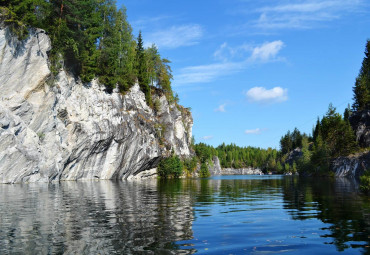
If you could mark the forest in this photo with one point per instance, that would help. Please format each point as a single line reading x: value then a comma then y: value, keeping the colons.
x: 92, y: 39
x: 332, y: 137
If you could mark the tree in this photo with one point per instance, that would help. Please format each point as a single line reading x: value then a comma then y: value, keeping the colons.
x: 204, y: 173
x: 347, y: 112
x: 361, y: 90
x: 170, y: 167
x: 142, y: 69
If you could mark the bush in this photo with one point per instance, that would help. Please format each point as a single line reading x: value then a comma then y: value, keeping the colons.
x: 190, y: 165
x: 170, y: 167
x: 365, y: 182
x: 204, y: 173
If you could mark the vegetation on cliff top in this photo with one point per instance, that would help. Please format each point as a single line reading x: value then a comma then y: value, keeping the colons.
x: 92, y: 39
x: 332, y: 135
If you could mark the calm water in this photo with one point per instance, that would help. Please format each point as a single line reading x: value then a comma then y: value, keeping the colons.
x: 223, y: 215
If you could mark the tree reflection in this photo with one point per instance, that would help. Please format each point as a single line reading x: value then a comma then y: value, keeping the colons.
x: 333, y: 201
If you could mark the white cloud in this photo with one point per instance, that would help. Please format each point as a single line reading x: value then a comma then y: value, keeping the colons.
x: 221, y: 108
x: 263, y: 95
x: 305, y: 14
x: 264, y: 53
x: 267, y: 51
x: 226, y: 52
x: 206, y: 73
x: 175, y: 36
x: 256, y: 131
x: 208, y: 137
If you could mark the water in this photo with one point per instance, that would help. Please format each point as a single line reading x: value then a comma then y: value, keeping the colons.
x: 221, y: 215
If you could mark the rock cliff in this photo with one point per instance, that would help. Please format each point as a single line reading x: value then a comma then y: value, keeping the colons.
x: 242, y: 171
x: 214, y: 168
x: 61, y: 129
x: 351, y: 166
x: 360, y: 122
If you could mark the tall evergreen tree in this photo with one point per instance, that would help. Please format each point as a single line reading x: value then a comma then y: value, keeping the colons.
x: 142, y: 69
x: 361, y: 89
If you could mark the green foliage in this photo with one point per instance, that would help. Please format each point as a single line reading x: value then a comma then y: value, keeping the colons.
x: 91, y: 39
x: 279, y: 168
x: 336, y: 134
x: 142, y: 69
x: 157, y: 105
x: 232, y: 156
x: 304, y: 163
x: 204, y: 173
x: 190, y: 165
x: 361, y: 90
x: 365, y: 182
x: 170, y: 167
x: 332, y: 137
x: 290, y: 141
x: 204, y: 152
x: 347, y: 113
x: 286, y: 168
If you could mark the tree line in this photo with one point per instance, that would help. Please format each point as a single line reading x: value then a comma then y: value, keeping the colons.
x: 233, y: 156
x: 92, y: 39
x: 332, y: 136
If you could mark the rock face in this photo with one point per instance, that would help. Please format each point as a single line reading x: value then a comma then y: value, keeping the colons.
x: 360, y: 122
x: 62, y: 129
x: 215, y: 167
x: 293, y: 156
x: 241, y: 171
x: 352, y: 166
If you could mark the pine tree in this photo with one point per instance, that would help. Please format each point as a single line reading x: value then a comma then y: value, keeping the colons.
x: 361, y: 89
x: 347, y: 112
x: 142, y: 69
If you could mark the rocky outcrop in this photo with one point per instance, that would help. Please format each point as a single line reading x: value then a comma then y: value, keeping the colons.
x: 293, y: 156
x: 62, y: 129
x: 241, y: 171
x: 215, y: 167
x: 351, y: 166
x: 360, y: 122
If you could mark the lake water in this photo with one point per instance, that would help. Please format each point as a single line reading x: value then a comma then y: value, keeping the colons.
x: 220, y: 215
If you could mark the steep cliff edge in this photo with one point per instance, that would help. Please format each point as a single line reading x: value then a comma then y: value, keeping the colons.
x: 360, y: 122
x: 356, y: 165
x: 62, y: 129
x: 351, y: 166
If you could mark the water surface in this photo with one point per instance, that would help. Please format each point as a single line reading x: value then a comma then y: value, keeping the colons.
x: 221, y: 215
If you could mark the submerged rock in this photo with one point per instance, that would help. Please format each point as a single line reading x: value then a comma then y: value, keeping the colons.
x: 63, y: 129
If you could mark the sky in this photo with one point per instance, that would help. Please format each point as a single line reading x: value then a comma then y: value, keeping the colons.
x: 250, y: 70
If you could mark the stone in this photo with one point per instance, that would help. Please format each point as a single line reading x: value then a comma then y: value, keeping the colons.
x: 63, y: 129
x: 352, y: 166
x: 360, y: 122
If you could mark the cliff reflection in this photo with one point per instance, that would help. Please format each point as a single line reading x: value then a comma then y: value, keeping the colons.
x: 93, y: 217
x: 238, y: 215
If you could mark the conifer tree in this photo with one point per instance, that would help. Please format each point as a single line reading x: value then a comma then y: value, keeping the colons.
x: 142, y: 69
x: 361, y: 89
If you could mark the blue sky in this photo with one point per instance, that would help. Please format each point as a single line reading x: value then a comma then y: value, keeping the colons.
x: 253, y: 69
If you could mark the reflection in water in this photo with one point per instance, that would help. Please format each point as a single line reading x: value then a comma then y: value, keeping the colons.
x: 223, y: 215
x: 335, y: 202
x: 92, y: 217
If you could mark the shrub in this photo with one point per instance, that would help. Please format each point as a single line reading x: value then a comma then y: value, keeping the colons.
x: 365, y: 182
x: 170, y: 167
x: 204, y: 173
